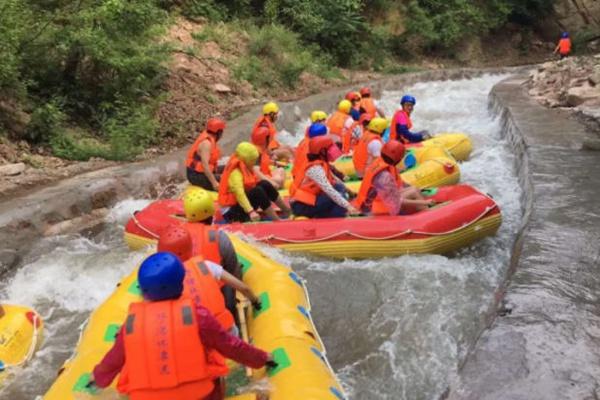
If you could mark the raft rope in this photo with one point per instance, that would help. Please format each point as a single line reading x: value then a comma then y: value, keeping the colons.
x: 390, y: 237
x: 142, y: 227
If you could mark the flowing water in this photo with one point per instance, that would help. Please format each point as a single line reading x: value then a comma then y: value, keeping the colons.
x: 394, y: 329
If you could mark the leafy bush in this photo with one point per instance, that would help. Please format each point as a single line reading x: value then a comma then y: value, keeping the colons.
x: 46, y: 121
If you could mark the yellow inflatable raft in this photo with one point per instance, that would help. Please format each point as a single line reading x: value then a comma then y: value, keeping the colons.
x: 21, y: 334
x: 283, y: 326
x: 458, y: 145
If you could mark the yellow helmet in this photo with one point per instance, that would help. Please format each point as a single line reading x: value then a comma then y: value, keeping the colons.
x: 318, y: 116
x: 344, y: 106
x: 270, y: 108
x: 247, y: 152
x: 378, y: 125
x: 198, y: 205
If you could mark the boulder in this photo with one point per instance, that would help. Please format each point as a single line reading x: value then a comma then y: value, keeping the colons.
x: 12, y: 169
x: 578, y: 95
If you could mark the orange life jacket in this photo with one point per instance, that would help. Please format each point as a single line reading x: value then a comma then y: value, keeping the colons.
x: 300, y: 159
x: 361, y: 151
x: 368, y: 105
x: 564, y: 46
x: 264, y: 121
x: 378, y: 207
x: 336, y: 123
x: 394, y: 135
x: 227, y: 198
x: 202, y: 287
x: 193, y: 160
x: 348, y: 141
x: 205, y: 241
x: 265, y: 162
x: 164, y: 356
x: 304, y: 189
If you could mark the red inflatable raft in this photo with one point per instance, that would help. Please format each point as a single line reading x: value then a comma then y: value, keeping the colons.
x: 462, y: 216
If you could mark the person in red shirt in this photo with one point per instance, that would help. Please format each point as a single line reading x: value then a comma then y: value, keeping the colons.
x: 164, y: 350
x: 564, y: 45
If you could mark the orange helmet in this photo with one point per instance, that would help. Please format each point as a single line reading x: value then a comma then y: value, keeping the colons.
x: 394, y: 150
x: 214, y: 125
x: 177, y: 240
x: 260, y: 136
x: 352, y: 96
x: 317, y: 144
x: 365, y: 91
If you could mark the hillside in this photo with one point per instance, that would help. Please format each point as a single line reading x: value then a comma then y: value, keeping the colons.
x: 125, y: 80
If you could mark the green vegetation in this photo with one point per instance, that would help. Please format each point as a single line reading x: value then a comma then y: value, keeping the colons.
x: 88, y: 73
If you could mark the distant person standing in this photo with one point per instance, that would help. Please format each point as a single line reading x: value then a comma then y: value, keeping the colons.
x: 564, y: 45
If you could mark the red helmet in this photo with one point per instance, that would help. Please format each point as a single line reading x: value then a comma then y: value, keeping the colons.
x: 260, y: 136
x: 352, y: 96
x: 365, y: 118
x: 394, y: 150
x: 177, y: 240
x: 365, y: 91
x: 214, y: 125
x: 320, y: 143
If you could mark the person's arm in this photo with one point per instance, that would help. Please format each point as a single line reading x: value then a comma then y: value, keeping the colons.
x: 229, y: 258
x: 263, y: 177
x: 373, y: 150
x: 215, y: 337
x: 112, y: 363
x: 413, y: 137
x: 379, y: 109
x: 236, y: 186
x: 240, y: 286
x: 317, y: 175
x: 204, y: 153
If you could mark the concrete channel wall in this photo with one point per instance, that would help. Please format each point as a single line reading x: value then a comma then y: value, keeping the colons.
x: 81, y: 202
x: 545, y: 344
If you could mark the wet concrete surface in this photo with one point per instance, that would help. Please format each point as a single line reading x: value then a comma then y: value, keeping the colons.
x: 547, y: 346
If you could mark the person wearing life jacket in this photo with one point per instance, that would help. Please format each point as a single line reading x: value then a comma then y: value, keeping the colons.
x: 354, y: 98
x: 300, y: 158
x: 316, y: 192
x: 382, y: 191
x: 369, y: 146
x: 166, y: 345
x: 205, y: 276
x: 564, y: 45
x: 340, y: 124
x: 368, y: 105
x: 401, y: 124
x: 203, y: 155
x: 263, y: 168
x: 241, y: 193
x: 316, y: 116
x: 270, y: 113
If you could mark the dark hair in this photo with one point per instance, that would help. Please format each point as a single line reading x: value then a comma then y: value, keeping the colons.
x: 313, y: 157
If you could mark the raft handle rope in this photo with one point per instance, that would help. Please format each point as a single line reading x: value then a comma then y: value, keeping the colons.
x: 142, y: 227
x: 390, y: 237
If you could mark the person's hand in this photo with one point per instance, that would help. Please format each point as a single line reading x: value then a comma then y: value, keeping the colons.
x: 353, y: 211
x: 215, y: 185
x: 270, y: 364
x: 430, y: 202
x: 254, y: 216
x: 256, y: 304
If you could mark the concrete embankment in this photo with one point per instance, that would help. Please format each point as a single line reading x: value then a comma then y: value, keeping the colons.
x: 81, y: 202
x: 547, y: 343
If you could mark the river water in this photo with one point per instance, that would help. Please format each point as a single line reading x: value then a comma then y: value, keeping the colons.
x: 396, y: 328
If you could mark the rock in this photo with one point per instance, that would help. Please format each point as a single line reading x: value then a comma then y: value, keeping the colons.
x: 592, y: 142
x: 516, y: 39
x: 595, y: 77
x: 220, y: 88
x: 12, y: 169
x: 579, y: 95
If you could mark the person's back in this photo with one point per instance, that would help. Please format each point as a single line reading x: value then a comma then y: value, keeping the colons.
x: 564, y: 45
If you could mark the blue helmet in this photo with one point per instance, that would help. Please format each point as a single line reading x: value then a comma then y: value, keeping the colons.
x: 564, y: 35
x: 317, y: 129
x: 161, y: 276
x: 407, y: 98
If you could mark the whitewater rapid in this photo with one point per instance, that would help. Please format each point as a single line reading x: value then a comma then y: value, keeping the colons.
x: 396, y: 328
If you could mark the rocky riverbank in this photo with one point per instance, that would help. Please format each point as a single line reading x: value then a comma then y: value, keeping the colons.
x: 573, y: 84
